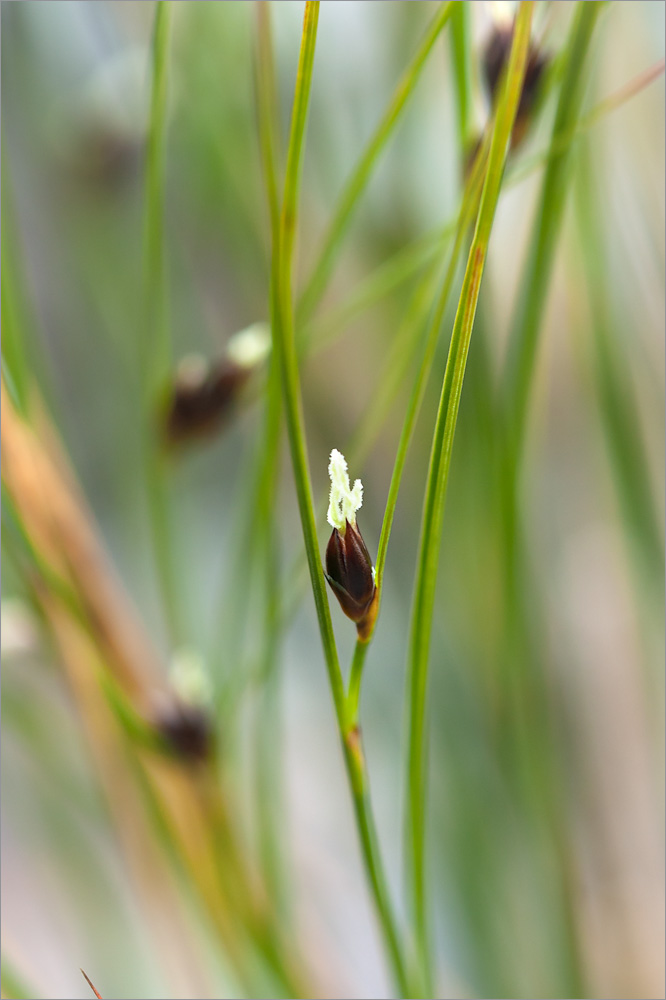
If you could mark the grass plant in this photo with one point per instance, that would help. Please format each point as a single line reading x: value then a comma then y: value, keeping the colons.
x: 179, y: 731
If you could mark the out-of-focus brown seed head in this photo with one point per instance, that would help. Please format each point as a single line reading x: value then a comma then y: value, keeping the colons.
x: 203, y: 396
x: 494, y: 61
x: 98, y: 130
x: 186, y: 730
x: 351, y: 577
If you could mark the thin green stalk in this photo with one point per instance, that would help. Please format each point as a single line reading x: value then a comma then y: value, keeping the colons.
x: 438, y: 473
x: 268, y: 731
x: 269, y: 743
x: 533, y: 764
x: 464, y: 54
x: 540, y: 257
x: 266, y: 98
x: 265, y: 540
x: 617, y: 410
x: 26, y: 554
x: 285, y: 349
x: 354, y: 187
x: 154, y: 339
x: 14, y: 352
x: 467, y: 211
x: 284, y: 346
x: 461, y: 50
x: 521, y: 356
x: 358, y: 777
x: 355, y: 675
x: 234, y: 606
x: 23, y: 360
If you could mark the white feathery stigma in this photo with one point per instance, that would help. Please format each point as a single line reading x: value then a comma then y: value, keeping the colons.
x: 344, y: 501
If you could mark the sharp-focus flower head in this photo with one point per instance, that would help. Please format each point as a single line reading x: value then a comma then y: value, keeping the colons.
x: 349, y: 569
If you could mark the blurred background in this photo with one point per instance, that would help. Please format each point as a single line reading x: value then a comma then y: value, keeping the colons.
x: 545, y: 846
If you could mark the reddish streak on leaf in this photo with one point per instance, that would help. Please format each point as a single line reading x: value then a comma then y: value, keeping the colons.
x: 98, y: 995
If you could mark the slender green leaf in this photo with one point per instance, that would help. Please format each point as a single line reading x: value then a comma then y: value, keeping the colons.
x: 438, y: 472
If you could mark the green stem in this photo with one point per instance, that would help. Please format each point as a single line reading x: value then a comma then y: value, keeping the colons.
x: 154, y: 341
x: 14, y: 353
x: 541, y: 254
x: 268, y: 729
x: 528, y: 740
x: 617, y: 409
x: 357, y: 773
x: 468, y: 209
x: 354, y: 690
x: 234, y: 605
x: 337, y: 228
x: 285, y: 350
x: 284, y: 346
x: 461, y: 50
x: 438, y: 473
x: 521, y: 356
x: 266, y: 98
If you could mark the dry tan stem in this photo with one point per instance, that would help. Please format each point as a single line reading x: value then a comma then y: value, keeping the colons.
x: 108, y: 636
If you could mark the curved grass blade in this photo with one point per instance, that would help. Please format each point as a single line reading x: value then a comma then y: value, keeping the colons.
x: 431, y: 526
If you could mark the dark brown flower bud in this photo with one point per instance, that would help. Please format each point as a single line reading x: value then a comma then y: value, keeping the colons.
x: 495, y: 60
x: 351, y: 577
x: 186, y: 730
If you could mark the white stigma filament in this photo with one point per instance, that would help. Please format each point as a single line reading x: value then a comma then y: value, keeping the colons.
x: 344, y: 501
